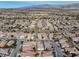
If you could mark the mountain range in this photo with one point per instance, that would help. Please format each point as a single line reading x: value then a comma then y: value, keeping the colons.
x: 66, y: 6
x: 49, y: 6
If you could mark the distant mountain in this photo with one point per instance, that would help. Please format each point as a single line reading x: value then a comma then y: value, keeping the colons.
x: 66, y: 6
x: 71, y: 6
x: 42, y: 6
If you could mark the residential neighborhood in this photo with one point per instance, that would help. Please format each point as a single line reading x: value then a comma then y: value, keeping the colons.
x: 40, y: 32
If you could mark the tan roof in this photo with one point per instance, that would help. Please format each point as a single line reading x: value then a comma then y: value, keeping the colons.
x: 64, y: 43
x: 27, y: 53
x: 10, y: 43
x: 47, y: 54
x: 72, y: 50
x: 28, y: 46
x: 40, y: 46
x: 2, y: 43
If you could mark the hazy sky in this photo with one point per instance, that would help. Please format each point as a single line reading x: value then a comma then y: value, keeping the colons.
x: 15, y: 4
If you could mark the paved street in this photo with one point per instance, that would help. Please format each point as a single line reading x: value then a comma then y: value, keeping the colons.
x: 15, y: 50
x: 75, y: 45
x: 57, y: 49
